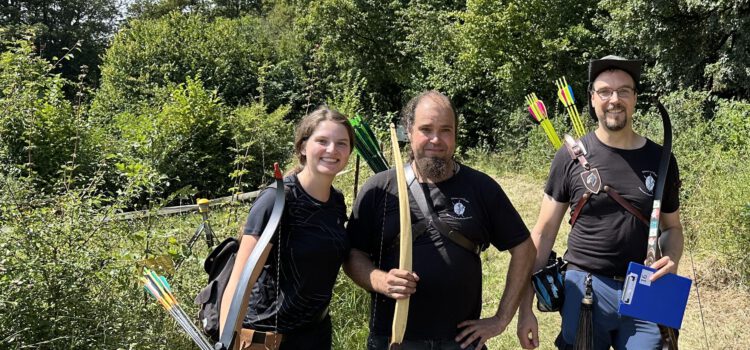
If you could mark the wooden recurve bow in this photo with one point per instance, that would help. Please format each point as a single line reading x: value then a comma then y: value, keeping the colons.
x: 401, y: 313
x: 252, y: 269
x: 653, y: 253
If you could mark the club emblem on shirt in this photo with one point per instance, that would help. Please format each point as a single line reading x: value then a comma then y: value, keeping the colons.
x: 591, y: 180
x: 649, y: 179
x: 460, y: 206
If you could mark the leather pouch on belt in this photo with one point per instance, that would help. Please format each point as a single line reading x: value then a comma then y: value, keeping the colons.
x: 251, y: 339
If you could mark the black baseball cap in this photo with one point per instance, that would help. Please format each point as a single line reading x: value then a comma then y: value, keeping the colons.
x: 596, y: 67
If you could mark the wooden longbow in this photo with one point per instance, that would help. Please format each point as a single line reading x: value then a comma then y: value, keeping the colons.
x: 401, y: 313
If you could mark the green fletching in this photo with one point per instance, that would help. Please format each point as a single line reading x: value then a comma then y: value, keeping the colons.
x: 366, y: 145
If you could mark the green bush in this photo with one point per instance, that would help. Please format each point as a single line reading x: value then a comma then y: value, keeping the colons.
x: 242, y: 59
x: 184, y: 136
x: 40, y: 130
x: 69, y: 269
x: 260, y: 139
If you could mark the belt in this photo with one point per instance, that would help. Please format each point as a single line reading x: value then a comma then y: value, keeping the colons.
x: 618, y: 278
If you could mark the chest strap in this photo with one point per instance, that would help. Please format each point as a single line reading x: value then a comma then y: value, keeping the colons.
x: 577, y: 151
x: 614, y: 195
x: 432, y: 218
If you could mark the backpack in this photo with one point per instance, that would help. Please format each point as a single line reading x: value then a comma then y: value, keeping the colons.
x: 219, y: 266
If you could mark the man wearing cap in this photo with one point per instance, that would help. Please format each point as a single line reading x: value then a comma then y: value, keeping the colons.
x: 607, y: 233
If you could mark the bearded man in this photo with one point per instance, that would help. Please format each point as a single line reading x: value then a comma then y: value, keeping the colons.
x: 610, y: 201
x: 462, y: 212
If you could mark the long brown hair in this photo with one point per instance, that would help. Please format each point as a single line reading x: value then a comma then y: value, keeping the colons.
x: 307, y: 126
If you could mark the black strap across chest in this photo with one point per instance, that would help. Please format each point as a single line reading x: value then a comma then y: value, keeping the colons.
x: 431, y: 218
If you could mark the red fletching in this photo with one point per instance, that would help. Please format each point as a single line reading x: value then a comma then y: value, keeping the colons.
x: 541, y: 107
x: 533, y: 115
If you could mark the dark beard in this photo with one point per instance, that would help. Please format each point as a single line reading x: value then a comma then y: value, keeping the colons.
x: 615, y: 126
x: 433, y: 168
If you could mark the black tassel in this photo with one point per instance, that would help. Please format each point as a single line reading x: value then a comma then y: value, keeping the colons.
x: 585, y: 332
x: 668, y: 337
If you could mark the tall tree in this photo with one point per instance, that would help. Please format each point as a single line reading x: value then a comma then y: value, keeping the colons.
x: 700, y: 44
x: 84, y: 27
x: 152, y: 9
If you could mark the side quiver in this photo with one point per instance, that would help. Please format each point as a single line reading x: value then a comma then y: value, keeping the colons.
x: 549, y: 284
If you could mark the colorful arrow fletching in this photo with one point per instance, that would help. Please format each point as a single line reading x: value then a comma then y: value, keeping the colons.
x: 561, y: 96
x: 570, y: 92
x: 565, y: 93
x: 533, y: 115
x: 541, y: 108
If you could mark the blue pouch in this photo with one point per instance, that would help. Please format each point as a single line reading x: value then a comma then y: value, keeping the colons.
x: 549, y: 284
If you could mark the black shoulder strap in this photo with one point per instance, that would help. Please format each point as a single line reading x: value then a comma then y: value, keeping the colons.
x: 427, y: 211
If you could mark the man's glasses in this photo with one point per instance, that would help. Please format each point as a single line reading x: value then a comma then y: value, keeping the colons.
x: 606, y: 94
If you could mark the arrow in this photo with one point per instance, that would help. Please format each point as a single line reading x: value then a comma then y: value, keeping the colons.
x: 401, y: 313
x: 160, y: 289
x: 539, y: 116
x: 565, y: 94
x: 366, y: 146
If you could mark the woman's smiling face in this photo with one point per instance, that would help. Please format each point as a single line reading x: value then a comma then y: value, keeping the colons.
x: 327, y: 150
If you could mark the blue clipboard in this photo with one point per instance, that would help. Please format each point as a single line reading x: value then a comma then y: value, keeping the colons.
x: 662, y: 301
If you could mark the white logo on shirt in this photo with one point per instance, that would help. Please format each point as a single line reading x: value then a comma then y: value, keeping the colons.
x: 649, y: 179
x: 459, y: 208
x: 460, y: 205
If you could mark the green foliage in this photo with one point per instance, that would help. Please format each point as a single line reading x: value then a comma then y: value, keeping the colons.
x: 730, y: 127
x: 152, y: 9
x: 65, y: 28
x: 189, y: 139
x: 260, y: 139
x: 506, y: 50
x: 720, y: 175
x: 42, y: 132
x: 364, y: 36
x: 55, y: 293
x: 185, y: 138
x: 70, y: 270
x: 350, y: 314
x: 668, y: 34
x: 243, y: 59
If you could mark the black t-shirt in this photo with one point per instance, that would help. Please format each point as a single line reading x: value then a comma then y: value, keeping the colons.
x: 606, y: 237
x: 314, y: 244
x: 448, y: 291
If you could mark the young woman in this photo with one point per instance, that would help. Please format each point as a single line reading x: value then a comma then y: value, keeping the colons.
x: 295, y: 287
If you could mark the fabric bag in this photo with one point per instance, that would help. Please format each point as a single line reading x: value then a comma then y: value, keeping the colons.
x: 549, y: 284
x: 218, y: 266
